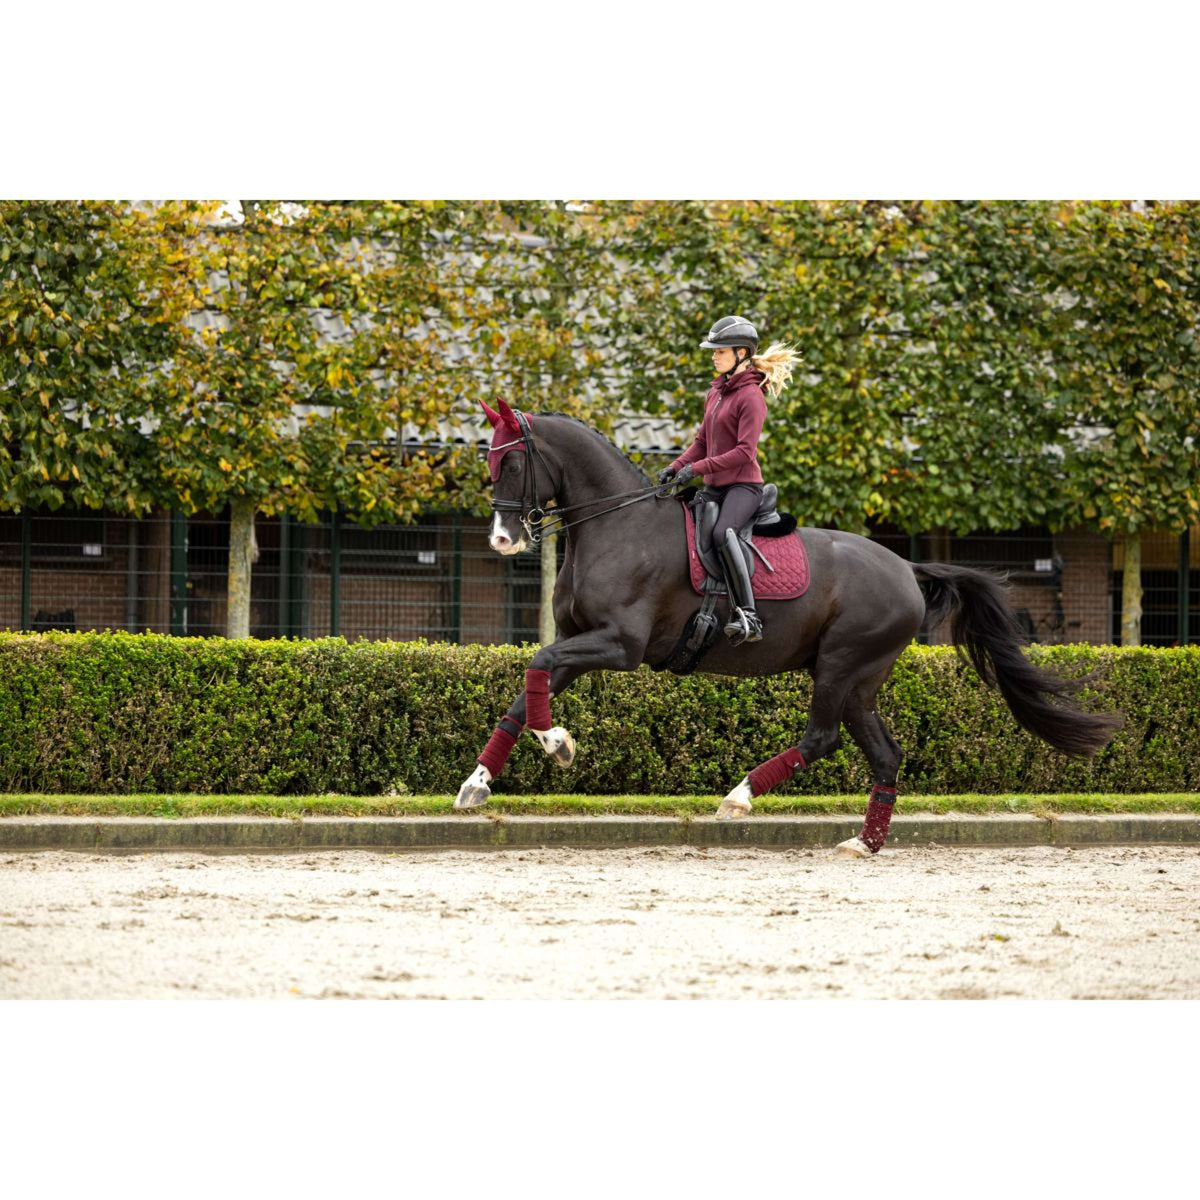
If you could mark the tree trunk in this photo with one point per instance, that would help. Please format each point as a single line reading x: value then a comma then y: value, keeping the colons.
x: 1131, y: 592
x: 241, y: 558
x: 549, y: 574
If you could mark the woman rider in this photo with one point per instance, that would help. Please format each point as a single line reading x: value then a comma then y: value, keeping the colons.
x: 725, y: 451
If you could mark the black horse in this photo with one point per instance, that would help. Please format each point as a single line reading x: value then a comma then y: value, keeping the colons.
x: 623, y: 597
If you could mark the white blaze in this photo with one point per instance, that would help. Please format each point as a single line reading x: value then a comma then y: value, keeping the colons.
x: 510, y: 545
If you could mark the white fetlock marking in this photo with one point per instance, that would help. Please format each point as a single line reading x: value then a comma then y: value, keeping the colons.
x: 855, y: 847
x: 737, y: 803
x: 741, y: 795
x: 551, y: 739
x: 480, y: 777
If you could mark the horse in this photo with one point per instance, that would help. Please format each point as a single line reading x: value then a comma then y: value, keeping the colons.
x: 623, y: 596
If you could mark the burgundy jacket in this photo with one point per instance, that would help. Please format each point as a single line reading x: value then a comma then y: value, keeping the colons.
x: 726, y: 447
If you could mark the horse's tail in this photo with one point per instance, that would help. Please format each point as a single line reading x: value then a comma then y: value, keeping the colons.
x: 985, y: 625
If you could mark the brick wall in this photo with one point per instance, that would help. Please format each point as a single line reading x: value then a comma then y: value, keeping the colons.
x: 1085, y: 590
x: 400, y: 598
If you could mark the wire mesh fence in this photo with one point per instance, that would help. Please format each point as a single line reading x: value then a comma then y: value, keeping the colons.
x: 438, y: 579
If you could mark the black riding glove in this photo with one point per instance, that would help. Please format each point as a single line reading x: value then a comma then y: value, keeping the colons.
x: 684, y: 475
x: 666, y: 475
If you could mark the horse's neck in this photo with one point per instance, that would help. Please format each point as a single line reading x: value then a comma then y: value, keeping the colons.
x: 590, y: 470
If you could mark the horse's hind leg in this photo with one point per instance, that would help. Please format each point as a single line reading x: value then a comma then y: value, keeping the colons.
x: 883, y: 753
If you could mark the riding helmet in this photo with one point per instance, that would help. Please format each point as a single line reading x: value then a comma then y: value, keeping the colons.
x: 731, y: 331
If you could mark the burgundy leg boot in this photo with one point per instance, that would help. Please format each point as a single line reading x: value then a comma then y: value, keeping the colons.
x: 879, y: 817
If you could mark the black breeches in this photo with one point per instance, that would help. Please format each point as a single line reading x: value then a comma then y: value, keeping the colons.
x: 739, y: 502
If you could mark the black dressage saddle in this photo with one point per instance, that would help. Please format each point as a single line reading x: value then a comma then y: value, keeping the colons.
x: 766, y: 522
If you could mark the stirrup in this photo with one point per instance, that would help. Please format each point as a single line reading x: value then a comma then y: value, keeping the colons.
x: 744, y: 626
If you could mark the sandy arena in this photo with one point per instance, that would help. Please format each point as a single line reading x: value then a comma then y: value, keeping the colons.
x: 650, y: 923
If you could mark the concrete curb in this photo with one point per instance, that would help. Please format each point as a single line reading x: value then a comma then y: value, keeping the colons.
x: 241, y: 834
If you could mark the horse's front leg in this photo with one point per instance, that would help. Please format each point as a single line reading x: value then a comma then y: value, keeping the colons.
x: 540, y: 685
x: 553, y: 670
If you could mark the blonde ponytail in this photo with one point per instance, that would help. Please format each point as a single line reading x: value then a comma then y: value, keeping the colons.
x: 776, y: 362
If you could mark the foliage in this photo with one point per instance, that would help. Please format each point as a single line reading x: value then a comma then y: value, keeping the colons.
x: 309, y: 324
x: 954, y: 352
x: 1126, y: 346
x: 967, y: 370
x: 117, y: 713
x: 83, y: 330
x: 921, y: 398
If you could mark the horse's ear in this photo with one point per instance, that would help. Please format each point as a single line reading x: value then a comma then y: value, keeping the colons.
x: 492, y: 415
x: 509, y: 417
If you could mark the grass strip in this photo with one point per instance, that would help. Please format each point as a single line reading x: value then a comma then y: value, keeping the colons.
x: 550, y: 805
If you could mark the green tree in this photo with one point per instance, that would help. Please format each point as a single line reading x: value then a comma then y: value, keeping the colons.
x: 1127, y: 358
x: 966, y: 367
x: 314, y: 331
x: 84, y: 331
x: 829, y: 279
x: 918, y: 399
x: 551, y: 284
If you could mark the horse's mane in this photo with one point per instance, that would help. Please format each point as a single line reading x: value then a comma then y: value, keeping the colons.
x: 616, y: 450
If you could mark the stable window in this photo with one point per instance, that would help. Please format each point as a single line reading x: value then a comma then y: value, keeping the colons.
x: 67, y: 536
x: 405, y: 550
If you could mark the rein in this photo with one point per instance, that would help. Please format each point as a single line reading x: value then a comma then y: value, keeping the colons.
x: 642, y: 494
x: 552, y: 522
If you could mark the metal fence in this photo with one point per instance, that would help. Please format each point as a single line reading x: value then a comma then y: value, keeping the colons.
x: 439, y: 580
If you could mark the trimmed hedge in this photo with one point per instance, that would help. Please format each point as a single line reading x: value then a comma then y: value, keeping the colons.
x: 122, y: 713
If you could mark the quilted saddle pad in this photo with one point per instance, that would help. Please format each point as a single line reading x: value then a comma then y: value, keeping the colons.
x: 787, y: 555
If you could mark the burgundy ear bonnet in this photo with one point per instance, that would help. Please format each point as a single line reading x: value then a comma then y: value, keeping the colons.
x: 506, y: 433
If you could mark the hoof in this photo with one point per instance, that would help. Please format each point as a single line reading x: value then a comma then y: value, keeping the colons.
x: 475, y: 790
x: 855, y: 847
x: 737, y: 804
x: 565, y: 754
x: 557, y: 743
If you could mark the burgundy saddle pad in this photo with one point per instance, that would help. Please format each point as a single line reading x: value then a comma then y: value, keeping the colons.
x: 786, y: 554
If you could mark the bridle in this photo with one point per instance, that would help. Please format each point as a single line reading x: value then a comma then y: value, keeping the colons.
x: 533, y: 517
x: 529, y: 506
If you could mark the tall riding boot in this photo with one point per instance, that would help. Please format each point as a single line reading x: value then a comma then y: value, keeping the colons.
x: 744, y: 625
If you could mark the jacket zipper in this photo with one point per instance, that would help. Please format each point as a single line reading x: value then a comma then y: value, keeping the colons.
x: 716, y: 409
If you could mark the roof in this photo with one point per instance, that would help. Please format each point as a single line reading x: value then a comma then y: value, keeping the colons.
x: 632, y: 434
